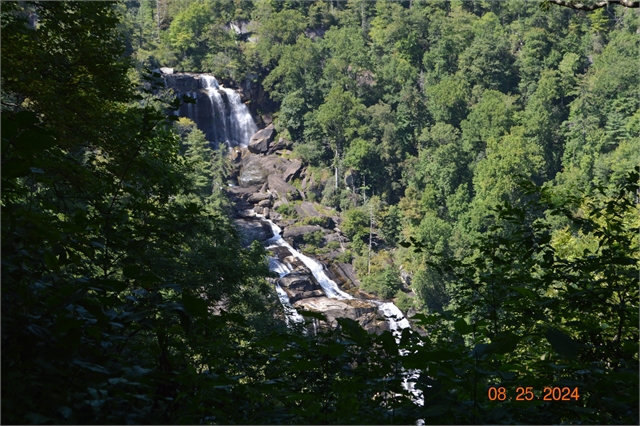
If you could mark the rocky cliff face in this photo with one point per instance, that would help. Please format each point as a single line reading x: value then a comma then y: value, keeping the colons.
x: 203, y: 112
x: 218, y: 111
x: 268, y: 181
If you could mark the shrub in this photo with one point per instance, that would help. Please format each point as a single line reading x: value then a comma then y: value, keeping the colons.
x: 333, y: 245
x: 356, y: 222
x: 385, y: 284
x: 403, y: 301
x: 287, y: 210
x: 316, y: 220
x: 314, y: 238
x: 344, y: 257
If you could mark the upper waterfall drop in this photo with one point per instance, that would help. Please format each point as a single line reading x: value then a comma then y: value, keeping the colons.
x: 217, y: 111
x: 231, y: 121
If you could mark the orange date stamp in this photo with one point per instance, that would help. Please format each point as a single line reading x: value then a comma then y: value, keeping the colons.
x: 526, y: 393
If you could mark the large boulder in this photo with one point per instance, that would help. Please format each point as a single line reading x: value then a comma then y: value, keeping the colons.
x: 255, y: 168
x: 297, y: 233
x: 283, y: 189
x: 253, y: 230
x: 307, y: 209
x: 300, y: 284
x: 282, y: 144
x: 364, y: 312
x: 252, y: 173
x: 342, y: 274
x: 261, y: 140
x: 257, y: 197
x: 293, y: 171
x: 238, y: 196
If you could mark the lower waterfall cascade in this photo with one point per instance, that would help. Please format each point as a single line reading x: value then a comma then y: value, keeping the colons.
x: 393, y: 315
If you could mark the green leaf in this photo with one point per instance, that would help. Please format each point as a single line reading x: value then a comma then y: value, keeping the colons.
x: 10, y: 129
x: 562, y: 343
x: 113, y: 285
x: 462, y: 327
x: 388, y: 342
x: 131, y: 271
x: 33, y: 140
x: 15, y: 168
x: 194, y: 305
x: 302, y: 365
x: 185, y: 321
x: 525, y: 292
x: 504, y: 343
x: 26, y: 118
x: 51, y: 261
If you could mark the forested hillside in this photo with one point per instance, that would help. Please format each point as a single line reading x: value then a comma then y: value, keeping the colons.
x: 482, y: 159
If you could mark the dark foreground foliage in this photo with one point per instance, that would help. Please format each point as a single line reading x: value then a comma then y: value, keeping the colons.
x: 128, y: 298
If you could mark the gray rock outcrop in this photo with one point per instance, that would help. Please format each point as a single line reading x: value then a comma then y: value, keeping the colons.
x: 300, y: 285
x: 253, y: 230
x: 282, y: 144
x: 364, y: 312
x: 252, y: 173
x: 284, y: 190
x: 261, y: 140
x: 293, y: 171
x: 297, y: 233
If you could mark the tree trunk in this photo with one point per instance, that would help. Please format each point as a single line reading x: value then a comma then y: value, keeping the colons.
x: 370, y: 236
x: 335, y: 166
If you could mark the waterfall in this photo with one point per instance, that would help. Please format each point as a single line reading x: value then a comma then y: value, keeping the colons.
x: 329, y: 286
x: 291, y: 314
x: 231, y: 122
x: 394, y: 316
x: 397, y: 323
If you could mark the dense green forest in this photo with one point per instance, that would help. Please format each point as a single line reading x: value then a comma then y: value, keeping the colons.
x: 492, y: 153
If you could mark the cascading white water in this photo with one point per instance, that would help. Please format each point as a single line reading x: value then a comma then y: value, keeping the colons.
x: 329, y: 286
x: 291, y: 314
x: 397, y: 323
x: 394, y: 316
x: 231, y: 122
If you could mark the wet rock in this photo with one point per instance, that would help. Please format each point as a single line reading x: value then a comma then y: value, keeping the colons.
x: 282, y: 144
x: 241, y: 192
x: 246, y: 214
x: 300, y: 285
x: 343, y: 274
x: 254, y: 169
x: 235, y: 155
x: 265, y: 203
x: 253, y: 230
x: 260, y: 141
